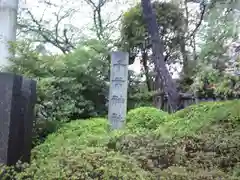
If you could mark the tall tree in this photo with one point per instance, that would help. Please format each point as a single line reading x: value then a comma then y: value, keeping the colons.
x: 169, y: 86
x: 135, y: 39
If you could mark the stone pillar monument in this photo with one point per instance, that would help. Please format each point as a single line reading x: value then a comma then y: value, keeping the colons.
x: 118, y: 89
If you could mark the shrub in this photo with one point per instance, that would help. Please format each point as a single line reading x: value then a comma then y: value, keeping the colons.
x: 11, y: 172
x: 75, y: 133
x: 85, y: 163
x: 43, y: 128
x: 6, y: 172
x: 208, y: 149
x: 70, y: 86
x: 192, y: 119
x: 212, y: 153
x: 182, y: 173
x: 145, y: 117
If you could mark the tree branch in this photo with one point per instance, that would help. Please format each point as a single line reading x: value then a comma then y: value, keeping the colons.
x: 202, y: 13
x: 49, y: 36
x: 97, y: 16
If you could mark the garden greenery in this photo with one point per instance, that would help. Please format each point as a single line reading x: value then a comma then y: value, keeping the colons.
x: 199, y: 142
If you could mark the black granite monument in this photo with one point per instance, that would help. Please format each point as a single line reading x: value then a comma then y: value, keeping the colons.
x: 17, y: 101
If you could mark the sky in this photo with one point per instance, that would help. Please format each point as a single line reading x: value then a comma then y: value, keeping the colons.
x: 83, y: 18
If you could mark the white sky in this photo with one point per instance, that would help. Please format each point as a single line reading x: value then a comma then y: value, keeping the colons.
x: 83, y: 18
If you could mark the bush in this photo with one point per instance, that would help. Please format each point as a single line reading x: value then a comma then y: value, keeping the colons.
x: 192, y: 119
x: 188, y: 158
x: 204, y: 144
x: 87, y: 163
x: 11, y: 172
x: 76, y: 133
x: 205, y: 148
x: 70, y: 86
x: 6, y: 172
x: 182, y: 173
x: 211, y: 153
x: 67, y: 154
x: 145, y: 117
x: 43, y: 128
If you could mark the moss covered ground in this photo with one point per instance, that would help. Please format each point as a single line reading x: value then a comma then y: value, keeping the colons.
x: 201, y: 142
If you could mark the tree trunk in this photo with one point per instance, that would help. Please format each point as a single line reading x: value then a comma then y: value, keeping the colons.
x: 158, y: 99
x: 183, y: 40
x: 158, y: 57
x: 8, y: 25
x: 146, y: 70
x: 184, y: 56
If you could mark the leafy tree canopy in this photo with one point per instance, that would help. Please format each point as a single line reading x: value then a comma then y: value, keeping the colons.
x: 170, y: 21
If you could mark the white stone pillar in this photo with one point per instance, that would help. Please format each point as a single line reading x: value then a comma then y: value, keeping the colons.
x: 8, y: 26
x: 117, y: 106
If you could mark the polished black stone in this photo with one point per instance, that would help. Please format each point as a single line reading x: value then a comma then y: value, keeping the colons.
x: 17, y: 100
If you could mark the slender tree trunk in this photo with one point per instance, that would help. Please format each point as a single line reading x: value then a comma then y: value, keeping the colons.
x: 146, y: 70
x: 8, y: 25
x: 194, y: 48
x: 157, y: 49
x: 185, y: 57
x: 183, y: 40
x: 158, y: 87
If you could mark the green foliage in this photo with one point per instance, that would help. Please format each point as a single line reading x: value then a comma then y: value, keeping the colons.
x: 170, y: 21
x: 140, y: 99
x: 145, y: 117
x: 74, y: 134
x: 11, y: 172
x: 6, y: 172
x: 213, y: 83
x: 192, y: 119
x: 205, y: 81
x: 188, y: 158
x: 137, y: 92
x: 65, y: 149
x: 203, y: 144
x: 87, y: 163
x: 199, y: 142
x: 216, y: 36
x: 229, y: 86
x: 42, y: 128
x: 70, y: 86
